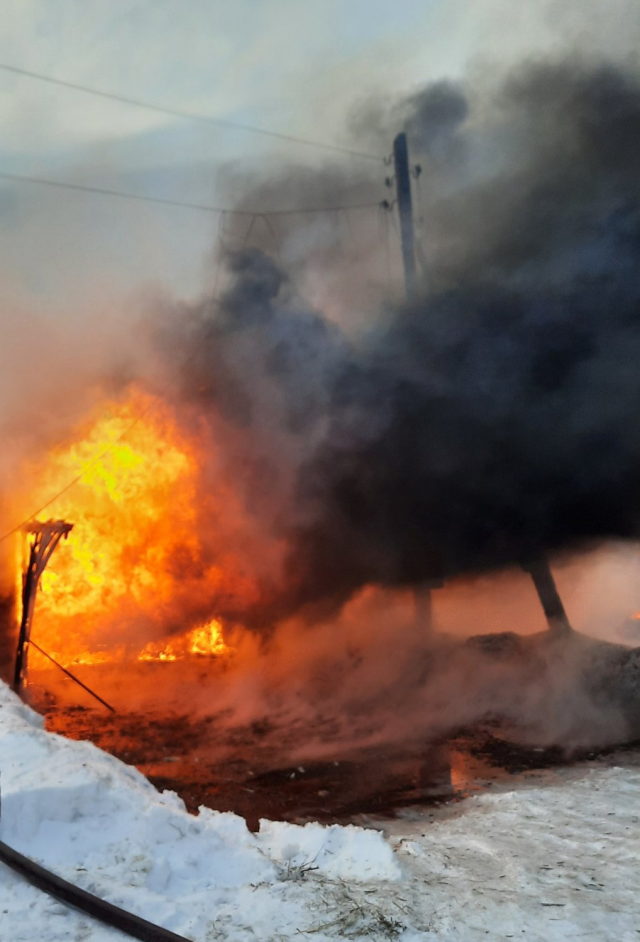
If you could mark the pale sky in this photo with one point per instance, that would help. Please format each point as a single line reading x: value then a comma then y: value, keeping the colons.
x: 288, y: 65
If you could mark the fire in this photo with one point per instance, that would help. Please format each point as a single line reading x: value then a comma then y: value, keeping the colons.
x: 134, y: 563
x: 206, y: 641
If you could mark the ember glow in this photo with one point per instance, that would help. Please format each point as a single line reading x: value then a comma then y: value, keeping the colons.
x: 120, y: 584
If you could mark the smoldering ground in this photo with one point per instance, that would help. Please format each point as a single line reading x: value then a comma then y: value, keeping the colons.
x: 372, y: 678
x: 492, y: 418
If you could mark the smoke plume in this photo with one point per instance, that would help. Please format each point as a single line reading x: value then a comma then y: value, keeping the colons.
x: 491, y: 418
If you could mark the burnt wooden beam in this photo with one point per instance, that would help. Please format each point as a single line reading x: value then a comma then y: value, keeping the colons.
x: 554, y: 610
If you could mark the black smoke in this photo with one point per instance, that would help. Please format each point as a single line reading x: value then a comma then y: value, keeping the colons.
x: 496, y: 416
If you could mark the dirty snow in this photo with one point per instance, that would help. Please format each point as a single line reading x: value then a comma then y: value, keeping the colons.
x: 552, y: 858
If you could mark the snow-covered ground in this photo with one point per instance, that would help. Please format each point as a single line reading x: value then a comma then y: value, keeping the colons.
x: 551, y: 857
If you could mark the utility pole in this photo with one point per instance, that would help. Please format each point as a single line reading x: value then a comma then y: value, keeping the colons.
x: 422, y: 594
x: 46, y: 537
x: 405, y: 211
x: 539, y: 570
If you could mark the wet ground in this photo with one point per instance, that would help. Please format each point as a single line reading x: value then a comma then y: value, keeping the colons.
x: 286, y: 769
x: 248, y: 769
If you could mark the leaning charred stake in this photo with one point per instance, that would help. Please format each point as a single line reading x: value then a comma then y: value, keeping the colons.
x: 494, y: 418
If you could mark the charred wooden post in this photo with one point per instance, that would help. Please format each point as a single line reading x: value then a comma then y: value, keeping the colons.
x: 46, y: 537
x: 8, y: 631
x: 554, y: 610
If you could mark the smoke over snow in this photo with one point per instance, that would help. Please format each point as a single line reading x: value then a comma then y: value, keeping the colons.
x: 491, y: 418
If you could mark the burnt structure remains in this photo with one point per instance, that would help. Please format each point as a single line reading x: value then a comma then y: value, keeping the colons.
x: 45, y: 538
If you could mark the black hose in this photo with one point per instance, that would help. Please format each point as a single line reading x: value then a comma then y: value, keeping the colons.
x: 110, y: 915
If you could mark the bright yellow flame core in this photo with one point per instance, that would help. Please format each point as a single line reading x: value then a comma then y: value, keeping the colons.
x: 127, y: 565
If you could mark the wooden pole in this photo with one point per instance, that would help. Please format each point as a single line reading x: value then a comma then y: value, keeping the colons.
x: 28, y: 603
x: 540, y: 572
x: 46, y: 537
x: 422, y: 594
x: 405, y: 211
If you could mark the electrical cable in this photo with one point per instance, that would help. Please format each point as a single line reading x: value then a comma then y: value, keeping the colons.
x: 269, y: 225
x: 72, y: 676
x: 188, y: 115
x: 245, y: 239
x: 217, y: 209
x: 202, y: 207
x: 223, y: 213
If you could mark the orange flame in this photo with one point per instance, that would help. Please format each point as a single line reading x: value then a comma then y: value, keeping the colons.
x: 129, y: 567
x: 206, y: 641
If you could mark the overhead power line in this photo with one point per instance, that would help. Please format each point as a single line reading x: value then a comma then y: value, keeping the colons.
x: 202, y: 207
x: 141, y: 415
x: 189, y: 115
x: 104, y: 191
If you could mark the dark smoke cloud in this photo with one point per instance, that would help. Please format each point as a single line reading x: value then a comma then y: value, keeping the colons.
x: 495, y: 416
x: 265, y: 355
x: 433, y: 119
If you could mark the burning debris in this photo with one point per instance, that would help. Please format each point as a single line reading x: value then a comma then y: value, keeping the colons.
x: 46, y: 537
x: 207, y: 641
x: 136, y: 570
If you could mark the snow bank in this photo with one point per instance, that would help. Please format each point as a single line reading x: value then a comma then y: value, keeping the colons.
x: 100, y: 824
x: 554, y: 859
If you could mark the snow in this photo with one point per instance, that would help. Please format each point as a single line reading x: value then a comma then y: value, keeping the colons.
x: 548, y: 858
